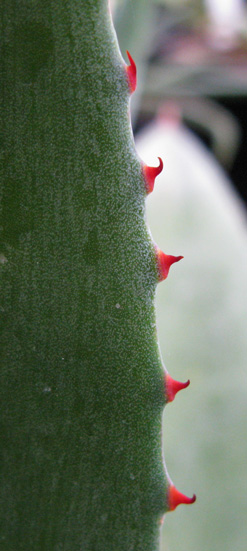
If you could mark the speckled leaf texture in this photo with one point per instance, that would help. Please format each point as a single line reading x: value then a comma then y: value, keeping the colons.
x: 82, y: 382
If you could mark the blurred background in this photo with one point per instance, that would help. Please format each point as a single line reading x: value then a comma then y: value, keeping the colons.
x: 190, y: 108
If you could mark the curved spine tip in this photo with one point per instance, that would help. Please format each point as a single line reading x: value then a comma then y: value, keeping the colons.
x: 150, y: 173
x: 172, y: 387
x: 131, y: 73
x: 176, y: 498
x: 164, y: 262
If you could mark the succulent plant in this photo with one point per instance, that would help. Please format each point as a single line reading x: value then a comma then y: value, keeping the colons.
x: 82, y: 382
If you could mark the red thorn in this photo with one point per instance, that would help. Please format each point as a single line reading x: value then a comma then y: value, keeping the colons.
x: 172, y: 387
x: 150, y: 173
x: 131, y: 73
x: 176, y: 498
x: 164, y: 263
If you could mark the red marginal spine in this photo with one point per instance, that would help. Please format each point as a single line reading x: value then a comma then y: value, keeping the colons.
x: 176, y: 498
x: 131, y: 73
x: 164, y: 262
x: 172, y: 387
x: 150, y: 173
